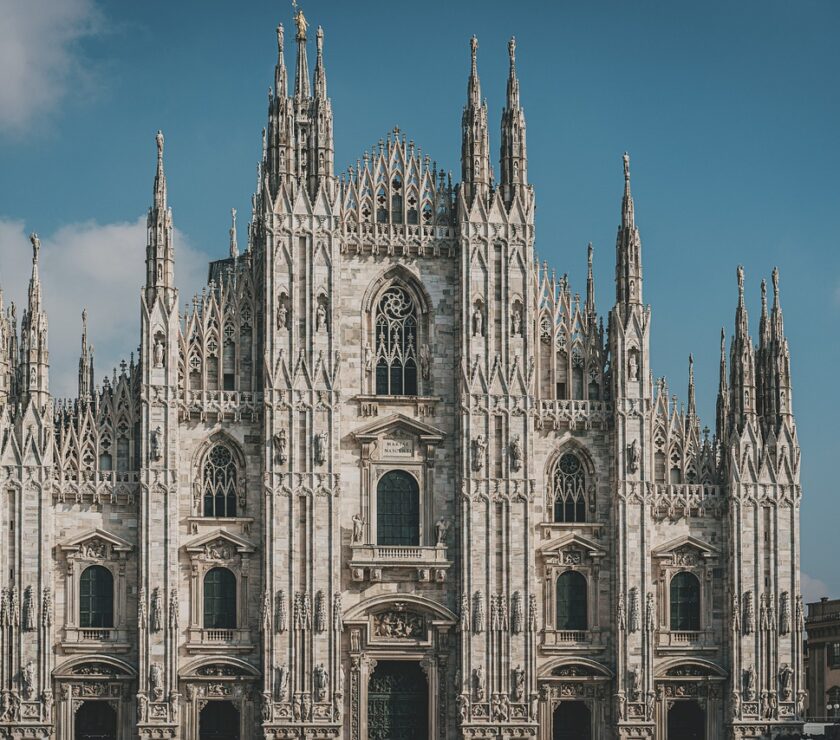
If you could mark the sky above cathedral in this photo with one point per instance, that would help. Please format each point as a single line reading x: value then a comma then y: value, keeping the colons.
x: 729, y: 111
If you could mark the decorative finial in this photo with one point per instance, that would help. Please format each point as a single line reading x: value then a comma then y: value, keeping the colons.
x: 626, y: 159
x: 319, y: 36
x: 741, y: 281
x: 302, y: 25
x: 234, y: 247
x: 84, y: 320
x: 722, y: 342
x: 474, y: 51
x: 159, y: 140
x: 36, y: 247
x: 512, y: 50
x: 763, y: 295
x: 775, y: 276
x: 280, y: 38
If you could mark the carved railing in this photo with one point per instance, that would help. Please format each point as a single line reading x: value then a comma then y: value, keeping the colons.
x: 399, y: 239
x: 559, y: 414
x: 95, y: 486
x: 369, y: 561
x: 218, y: 635
x: 231, y: 405
x: 679, y: 500
x: 95, y: 635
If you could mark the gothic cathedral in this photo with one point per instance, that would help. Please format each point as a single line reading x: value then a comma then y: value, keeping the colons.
x: 387, y: 478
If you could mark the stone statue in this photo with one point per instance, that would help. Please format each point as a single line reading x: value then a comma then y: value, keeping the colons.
x: 633, y: 366
x: 280, y: 447
x: 633, y: 456
x: 637, y: 683
x: 321, y: 318
x: 321, y: 441
x: 322, y: 682
x: 749, y: 683
x: 283, y: 681
x: 282, y: 315
x: 425, y: 361
x: 516, y: 322
x: 159, y: 353
x: 516, y: 452
x: 478, y: 322
x: 479, y: 450
x: 785, y: 678
x: 302, y: 25
x: 156, y: 622
x: 735, y: 705
x: 28, y: 678
x: 156, y: 681
x: 650, y: 613
x: 156, y: 449
x: 518, y: 684
x: 441, y: 530
x: 36, y: 245
x: 368, y: 358
x: 478, y: 683
x: 358, y: 529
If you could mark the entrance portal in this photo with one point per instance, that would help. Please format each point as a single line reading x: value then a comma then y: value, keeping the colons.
x: 572, y: 721
x: 219, y: 720
x: 398, y: 701
x: 96, y: 720
x: 686, y: 721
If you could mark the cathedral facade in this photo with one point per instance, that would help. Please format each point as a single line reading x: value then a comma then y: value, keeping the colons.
x: 388, y: 477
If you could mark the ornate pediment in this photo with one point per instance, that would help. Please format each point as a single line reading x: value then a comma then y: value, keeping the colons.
x: 218, y: 545
x: 572, y: 549
x: 95, y: 544
x: 686, y: 551
x: 399, y: 424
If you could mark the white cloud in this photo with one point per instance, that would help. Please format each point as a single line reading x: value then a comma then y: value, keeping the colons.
x: 93, y: 266
x: 40, y: 56
x: 812, y: 588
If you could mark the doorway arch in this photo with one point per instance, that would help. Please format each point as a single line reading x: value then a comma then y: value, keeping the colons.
x: 572, y: 720
x: 686, y: 721
x: 218, y: 720
x: 398, y: 701
x: 95, y: 720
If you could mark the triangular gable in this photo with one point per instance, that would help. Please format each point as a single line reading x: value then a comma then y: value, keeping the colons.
x: 425, y: 432
x: 573, y: 539
x: 117, y: 544
x: 686, y: 540
x: 199, y: 544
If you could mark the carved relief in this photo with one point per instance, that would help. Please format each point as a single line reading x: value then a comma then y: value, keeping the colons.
x: 399, y: 625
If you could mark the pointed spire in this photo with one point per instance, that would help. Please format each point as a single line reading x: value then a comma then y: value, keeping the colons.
x: 33, y: 351
x: 628, y: 267
x: 590, y: 284
x: 692, y: 401
x: 86, y: 384
x: 302, y: 68
x: 475, y: 148
x: 281, y: 87
x: 234, y: 247
x: 514, y: 160
x: 778, y: 321
x: 722, y: 406
x: 742, y: 363
x: 35, y: 280
x: 160, y: 269
x: 320, y: 72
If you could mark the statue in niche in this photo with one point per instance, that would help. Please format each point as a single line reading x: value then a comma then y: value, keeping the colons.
x: 28, y: 679
x: 516, y: 321
x: 425, y: 361
x: 321, y: 318
x: 441, y: 530
x: 518, y: 684
x: 785, y: 678
x: 478, y: 683
x: 156, y: 681
x: 156, y: 449
x: 283, y: 681
x: 282, y: 315
x: 637, y: 683
x: 633, y: 456
x: 749, y: 683
x: 358, y: 529
x: 479, y: 450
x: 158, y: 353
x: 368, y: 358
x: 478, y: 321
x: 633, y: 366
x: 321, y: 440
x: 280, y: 447
x: 516, y: 452
x: 322, y: 682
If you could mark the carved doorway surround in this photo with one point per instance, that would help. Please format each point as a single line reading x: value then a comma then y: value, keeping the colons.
x: 93, y: 678
x: 400, y: 627
x: 220, y: 679
x: 574, y: 680
x: 687, y: 680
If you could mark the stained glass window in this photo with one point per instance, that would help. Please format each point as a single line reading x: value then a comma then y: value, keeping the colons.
x: 396, y: 344
x: 219, y: 481
x: 569, y: 489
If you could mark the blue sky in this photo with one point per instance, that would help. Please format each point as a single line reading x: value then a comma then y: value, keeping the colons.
x: 729, y: 110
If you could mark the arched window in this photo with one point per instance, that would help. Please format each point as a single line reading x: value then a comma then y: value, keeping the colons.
x: 398, y: 510
x: 571, y: 601
x: 569, y: 489
x: 219, y: 599
x: 685, y: 602
x: 96, y: 597
x: 219, y: 482
x: 396, y: 343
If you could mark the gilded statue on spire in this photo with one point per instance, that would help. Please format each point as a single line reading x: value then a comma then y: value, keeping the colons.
x: 302, y: 25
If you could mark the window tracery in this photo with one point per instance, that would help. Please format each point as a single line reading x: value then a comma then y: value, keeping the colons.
x: 396, y: 343
x: 568, y: 487
x: 219, y: 483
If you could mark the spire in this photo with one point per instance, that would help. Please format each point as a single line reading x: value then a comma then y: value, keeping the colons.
x: 160, y: 267
x: 590, y: 284
x: 742, y: 363
x: 778, y: 329
x: 34, y: 353
x: 514, y: 160
x: 281, y: 87
x: 722, y: 407
x: 302, y: 69
x: 692, y: 402
x: 86, y: 384
x: 475, y: 148
x: 780, y: 385
x: 320, y: 73
x: 234, y: 247
x: 628, y: 260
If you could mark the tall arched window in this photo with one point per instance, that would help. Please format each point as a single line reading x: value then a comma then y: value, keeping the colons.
x: 96, y: 597
x: 219, y: 482
x: 219, y: 599
x: 396, y: 343
x: 571, y: 601
x: 569, y: 489
x: 398, y: 510
x: 685, y: 602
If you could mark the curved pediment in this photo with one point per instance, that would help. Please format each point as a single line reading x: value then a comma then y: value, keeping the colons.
x: 575, y: 668
x: 94, y: 666
x: 406, y: 603
x: 216, y: 667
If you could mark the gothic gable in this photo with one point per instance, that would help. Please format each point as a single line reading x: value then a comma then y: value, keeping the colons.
x: 95, y: 543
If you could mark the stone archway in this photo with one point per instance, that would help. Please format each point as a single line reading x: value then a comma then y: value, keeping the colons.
x: 219, y: 720
x: 689, y: 700
x: 95, y: 720
x: 571, y: 720
x: 398, y: 701
x: 686, y: 721
x: 573, y: 699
